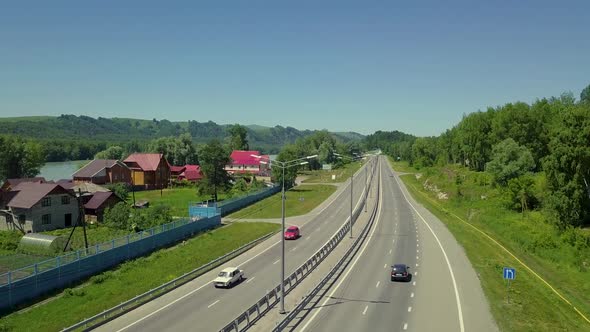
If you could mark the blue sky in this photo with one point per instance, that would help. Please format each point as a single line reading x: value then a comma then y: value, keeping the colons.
x: 414, y: 66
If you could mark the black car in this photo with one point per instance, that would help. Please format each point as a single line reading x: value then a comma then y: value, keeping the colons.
x: 400, y: 272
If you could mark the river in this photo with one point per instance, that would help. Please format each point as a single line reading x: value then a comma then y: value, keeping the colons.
x: 61, y: 170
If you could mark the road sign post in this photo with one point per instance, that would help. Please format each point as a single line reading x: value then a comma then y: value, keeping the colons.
x: 509, y: 274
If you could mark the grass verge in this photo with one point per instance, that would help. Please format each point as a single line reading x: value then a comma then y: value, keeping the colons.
x: 325, y: 176
x: 113, y: 287
x: 533, y: 306
x: 300, y: 200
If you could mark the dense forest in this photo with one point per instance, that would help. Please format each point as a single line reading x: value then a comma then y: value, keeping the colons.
x: 70, y: 137
x: 540, y: 152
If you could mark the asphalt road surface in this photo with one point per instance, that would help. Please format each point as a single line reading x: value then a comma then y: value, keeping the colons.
x: 444, y: 293
x: 198, y: 306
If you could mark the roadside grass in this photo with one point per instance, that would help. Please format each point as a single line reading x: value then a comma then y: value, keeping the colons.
x: 13, y: 261
x: 132, y: 278
x: 532, y: 306
x: 177, y: 198
x: 300, y: 200
x: 96, y: 234
x: 325, y: 176
x: 401, y: 166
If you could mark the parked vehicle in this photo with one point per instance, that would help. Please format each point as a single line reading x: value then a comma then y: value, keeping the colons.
x: 400, y: 272
x: 292, y: 233
x: 228, y: 277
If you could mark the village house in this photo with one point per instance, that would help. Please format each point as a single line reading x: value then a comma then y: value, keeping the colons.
x: 148, y: 170
x: 191, y: 173
x: 37, y: 207
x: 99, y: 201
x: 10, y: 183
x: 103, y: 171
x: 243, y: 162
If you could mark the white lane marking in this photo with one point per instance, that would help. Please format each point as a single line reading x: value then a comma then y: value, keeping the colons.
x: 252, y: 278
x: 351, y: 266
x: 415, y: 273
x: 214, y: 303
x: 405, y: 326
x: 260, y: 253
x: 307, y: 238
x: 460, y: 311
x: 384, y: 266
x: 412, y: 295
x: 364, y: 311
x: 291, y: 250
x: 392, y: 241
x: 389, y: 252
x: 418, y: 250
x: 409, y: 308
x: 378, y: 282
x: 417, y: 245
x: 278, y: 260
x: 417, y: 257
x: 413, y: 284
x: 417, y: 265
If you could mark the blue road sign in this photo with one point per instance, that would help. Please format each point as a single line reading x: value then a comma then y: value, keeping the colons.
x: 509, y: 273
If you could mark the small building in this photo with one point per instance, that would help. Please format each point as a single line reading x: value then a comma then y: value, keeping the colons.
x: 103, y: 171
x: 191, y: 173
x: 148, y: 170
x: 243, y: 162
x: 11, y: 183
x: 37, y: 207
x: 100, y: 200
x: 175, y: 172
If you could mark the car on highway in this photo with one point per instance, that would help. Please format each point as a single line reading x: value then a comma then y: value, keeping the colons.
x: 228, y: 277
x: 400, y: 272
x: 292, y: 233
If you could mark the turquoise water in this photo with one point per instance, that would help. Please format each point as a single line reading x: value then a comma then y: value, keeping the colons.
x: 61, y: 170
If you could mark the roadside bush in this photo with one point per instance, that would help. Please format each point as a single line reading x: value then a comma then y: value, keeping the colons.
x: 118, y: 216
x: 9, y: 240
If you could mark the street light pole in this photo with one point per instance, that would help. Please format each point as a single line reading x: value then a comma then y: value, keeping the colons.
x: 282, y: 308
x: 350, y: 220
x: 283, y: 165
x: 366, y: 185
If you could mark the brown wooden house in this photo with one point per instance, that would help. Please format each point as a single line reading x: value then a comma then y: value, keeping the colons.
x: 102, y: 171
x: 148, y: 170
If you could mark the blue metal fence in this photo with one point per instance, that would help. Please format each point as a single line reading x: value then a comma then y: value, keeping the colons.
x: 32, y: 281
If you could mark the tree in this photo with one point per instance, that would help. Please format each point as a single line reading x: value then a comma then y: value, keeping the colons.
x: 118, y: 216
x: 585, y: 95
x: 120, y: 189
x: 178, y: 151
x: 568, y: 166
x: 238, y: 138
x: 19, y: 158
x: 112, y: 152
x: 288, y: 153
x: 214, y: 157
x: 509, y: 161
x: 520, y: 193
x: 424, y: 152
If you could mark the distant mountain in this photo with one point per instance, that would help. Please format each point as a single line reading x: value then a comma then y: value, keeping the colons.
x: 72, y: 127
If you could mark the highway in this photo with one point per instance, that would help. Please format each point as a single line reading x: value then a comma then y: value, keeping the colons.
x: 444, y: 293
x: 197, y: 305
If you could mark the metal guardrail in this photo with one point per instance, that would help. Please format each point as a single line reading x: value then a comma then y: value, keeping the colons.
x: 336, y: 270
x: 245, y: 320
x: 138, y: 300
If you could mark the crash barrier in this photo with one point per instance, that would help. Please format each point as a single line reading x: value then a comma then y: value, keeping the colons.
x: 133, y: 303
x: 329, y: 279
x: 234, y: 204
x: 32, y: 281
x: 246, y: 319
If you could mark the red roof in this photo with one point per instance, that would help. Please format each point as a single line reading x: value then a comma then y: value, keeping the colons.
x: 192, y: 173
x: 146, y: 161
x: 240, y: 157
x: 177, y: 169
x: 98, y: 199
x: 30, y: 193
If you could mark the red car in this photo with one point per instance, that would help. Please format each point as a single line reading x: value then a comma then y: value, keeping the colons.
x: 292, y: 233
